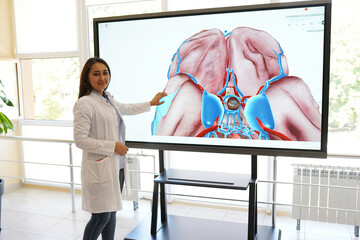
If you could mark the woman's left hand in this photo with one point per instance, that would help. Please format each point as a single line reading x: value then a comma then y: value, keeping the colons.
x: 156, y: 100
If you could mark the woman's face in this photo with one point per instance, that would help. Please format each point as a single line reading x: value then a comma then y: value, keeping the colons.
x: 99, y: 77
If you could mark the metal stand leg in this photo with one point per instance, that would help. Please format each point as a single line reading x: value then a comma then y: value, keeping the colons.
x: 163, y: 203
x: 298, y: 224
x: 356, y: 231
x: 154, y: 209
x: 252, y: 214
x: 72, y: 184
x: 135, y: 205
x: 273, y: 212
x: 156, y: 198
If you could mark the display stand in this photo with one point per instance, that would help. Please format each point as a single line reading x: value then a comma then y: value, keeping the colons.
x: 170, y: 227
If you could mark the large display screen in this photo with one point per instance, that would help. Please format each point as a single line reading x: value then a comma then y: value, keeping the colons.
x: 251, y: 79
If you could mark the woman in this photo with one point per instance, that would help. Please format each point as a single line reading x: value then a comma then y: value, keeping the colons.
x: 99, y: 131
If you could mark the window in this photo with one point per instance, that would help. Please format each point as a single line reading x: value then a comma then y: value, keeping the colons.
x: 49, y: 56
x: 344, y: 111
x: 50, y: 70
x: 191, y: 4
x: 8, y: 77
x: 110, y: 10
x: 44, y: 26
x: 47, y: 34
x: 50, y: 87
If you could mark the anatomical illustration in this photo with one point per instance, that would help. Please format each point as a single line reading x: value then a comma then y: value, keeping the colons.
x: 236, y: 85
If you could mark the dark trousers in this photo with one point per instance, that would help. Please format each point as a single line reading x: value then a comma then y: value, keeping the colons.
x: 101, y: 223
x: 121, y: 178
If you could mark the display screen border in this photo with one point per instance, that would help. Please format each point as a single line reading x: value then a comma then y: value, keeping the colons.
x: 321, y: 153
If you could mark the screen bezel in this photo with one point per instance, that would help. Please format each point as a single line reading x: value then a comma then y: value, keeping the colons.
x: 322, y: 153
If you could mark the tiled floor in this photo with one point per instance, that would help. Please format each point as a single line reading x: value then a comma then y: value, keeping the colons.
x: 38, y: 214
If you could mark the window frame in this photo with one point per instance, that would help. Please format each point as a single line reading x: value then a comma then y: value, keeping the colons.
x: 81, y: 53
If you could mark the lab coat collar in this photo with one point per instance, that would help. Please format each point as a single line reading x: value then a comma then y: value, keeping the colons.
x: 97, y: 95
x: 107, y: 100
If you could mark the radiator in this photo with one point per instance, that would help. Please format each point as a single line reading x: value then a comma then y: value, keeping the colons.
x: 133, y: 165
x: 332, y: 194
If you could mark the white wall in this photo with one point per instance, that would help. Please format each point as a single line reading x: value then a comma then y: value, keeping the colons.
x: 6, y: 39
x: 10, y: 150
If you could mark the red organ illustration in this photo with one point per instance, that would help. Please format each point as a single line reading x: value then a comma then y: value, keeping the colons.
x: 235, y: 85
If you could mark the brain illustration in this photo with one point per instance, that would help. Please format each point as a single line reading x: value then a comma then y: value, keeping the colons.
x: 235, y: 85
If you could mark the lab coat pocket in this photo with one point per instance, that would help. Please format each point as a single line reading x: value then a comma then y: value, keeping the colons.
x: 99, y: 171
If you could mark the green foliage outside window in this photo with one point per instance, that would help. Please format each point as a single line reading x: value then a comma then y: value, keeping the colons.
x: 5, y: 122
x: 55, y: 86
x: 345, y: 68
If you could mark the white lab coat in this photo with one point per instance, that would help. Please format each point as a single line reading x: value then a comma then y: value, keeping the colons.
x: 95, y: 132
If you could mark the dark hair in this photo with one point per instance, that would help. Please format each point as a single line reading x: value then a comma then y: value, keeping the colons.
x: 85, y: 87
